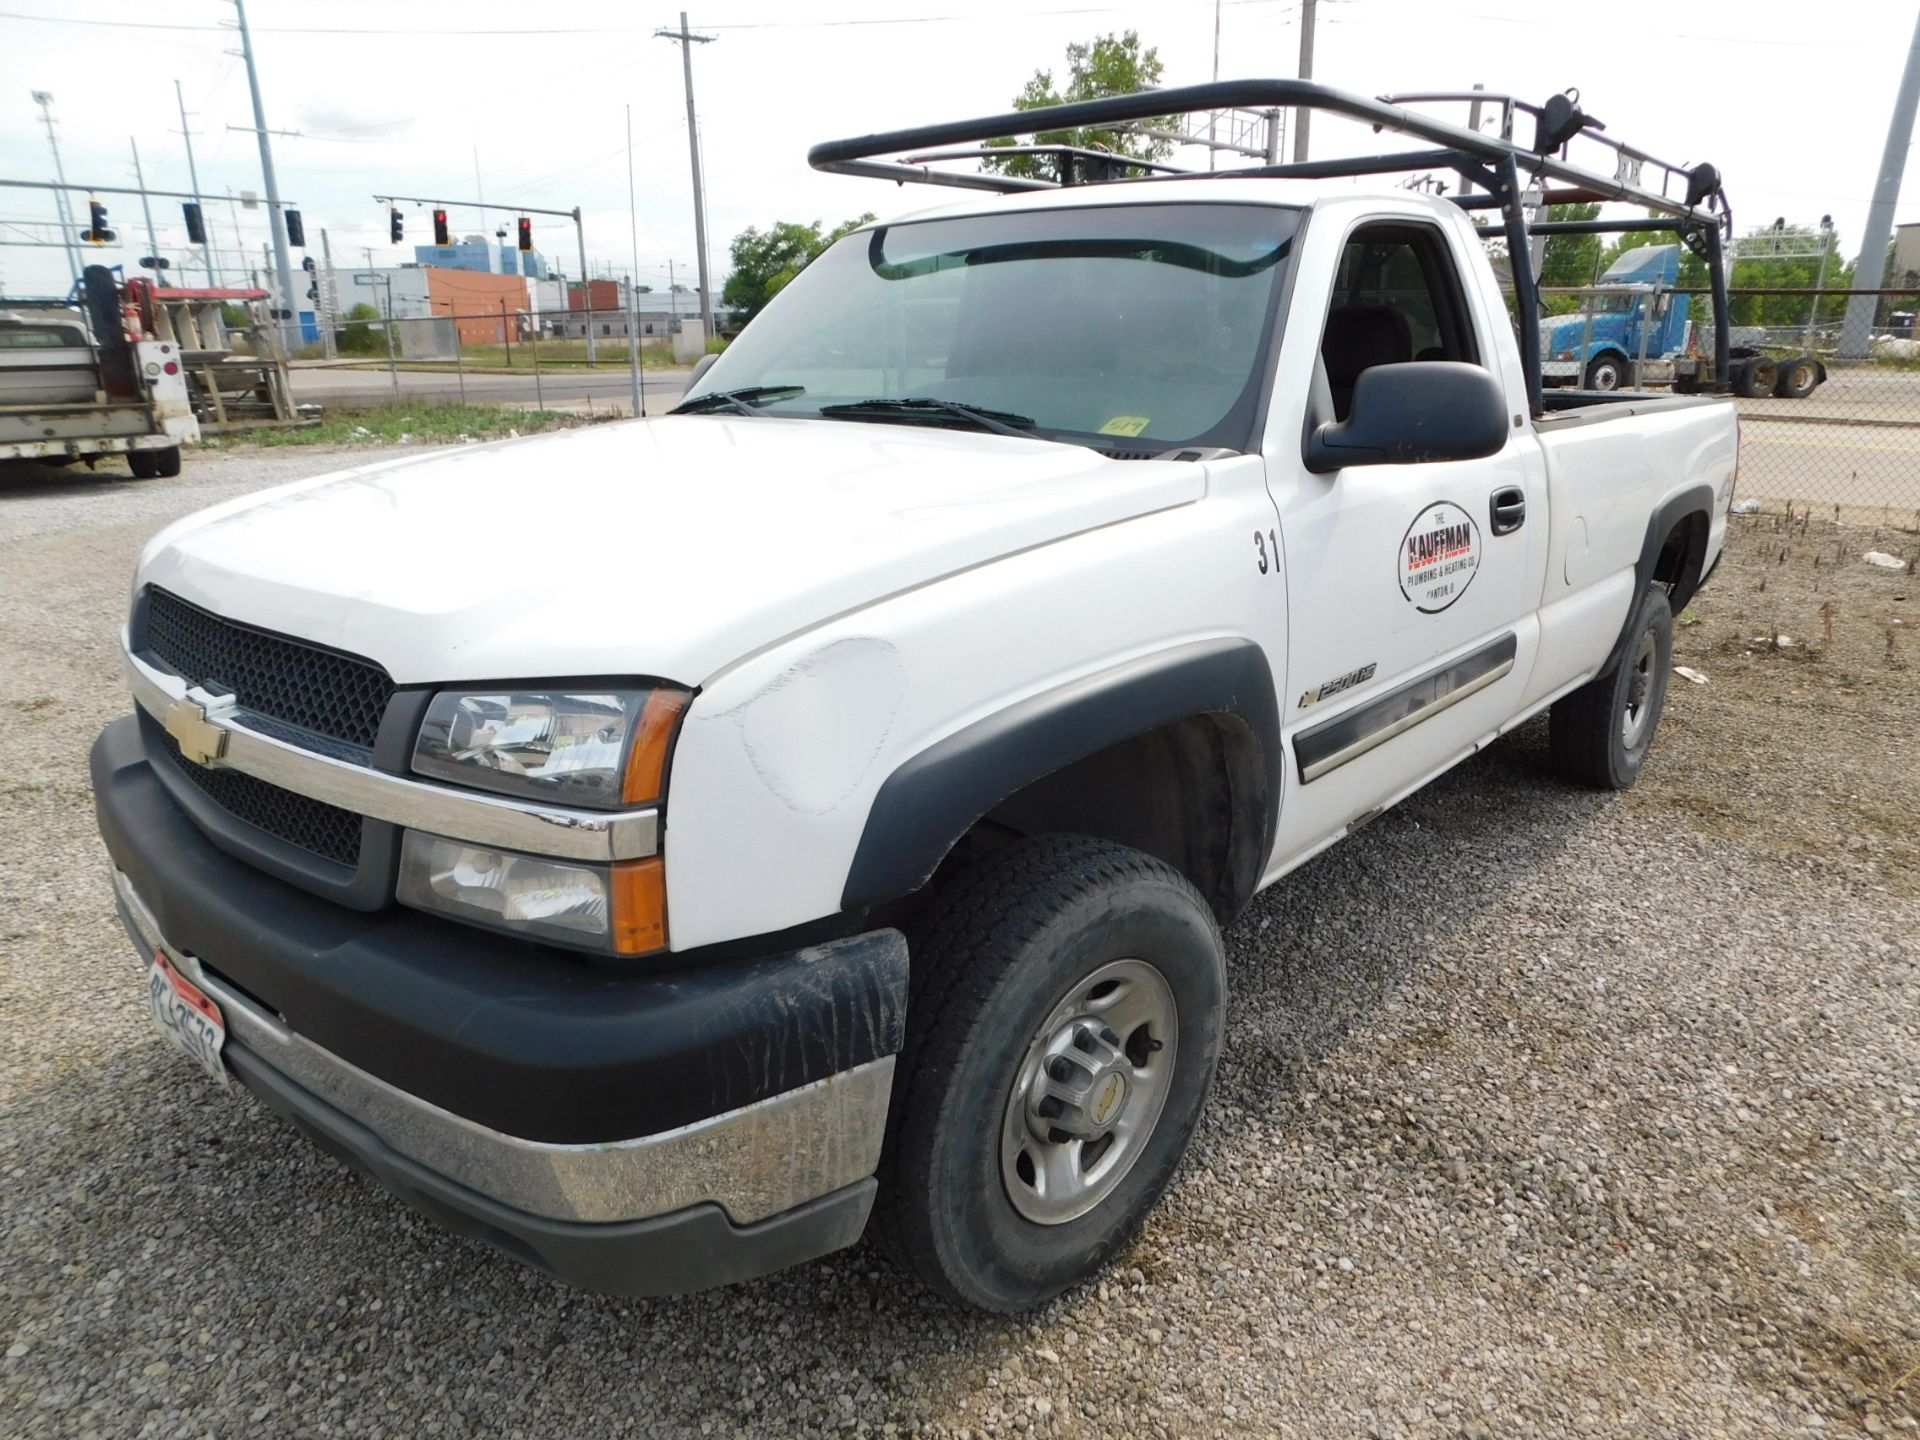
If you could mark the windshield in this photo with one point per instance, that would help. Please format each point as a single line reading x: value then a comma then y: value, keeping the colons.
x: 1146, y: 322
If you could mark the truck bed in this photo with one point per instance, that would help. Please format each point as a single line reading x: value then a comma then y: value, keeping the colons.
x: 1567, y: 408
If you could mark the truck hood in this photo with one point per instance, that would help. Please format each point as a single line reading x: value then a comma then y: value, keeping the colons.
x: 669, y: 547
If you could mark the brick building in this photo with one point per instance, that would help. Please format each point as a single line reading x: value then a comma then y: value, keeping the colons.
x: 490, y: 308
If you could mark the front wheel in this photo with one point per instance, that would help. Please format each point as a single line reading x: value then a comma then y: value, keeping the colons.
x: 1601, y: 733
x: 1605, y: 373
x: 1062, y: 1033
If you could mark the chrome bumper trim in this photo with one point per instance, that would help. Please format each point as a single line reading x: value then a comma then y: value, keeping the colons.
x: 753, y: 1162
x: 472, y: 816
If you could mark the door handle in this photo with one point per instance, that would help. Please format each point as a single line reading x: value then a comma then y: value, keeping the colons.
x: 1508, y: 510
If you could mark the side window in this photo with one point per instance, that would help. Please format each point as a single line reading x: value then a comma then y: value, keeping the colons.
x: 1396, y: 297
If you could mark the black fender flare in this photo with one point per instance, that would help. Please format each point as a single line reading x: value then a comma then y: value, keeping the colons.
x: 1695, y: 500
x: 935, y: 796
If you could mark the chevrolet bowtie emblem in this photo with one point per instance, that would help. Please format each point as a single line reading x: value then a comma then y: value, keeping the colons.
x: 200, y: 740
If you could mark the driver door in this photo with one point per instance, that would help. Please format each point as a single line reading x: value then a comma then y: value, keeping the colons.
x: 1412, y: 589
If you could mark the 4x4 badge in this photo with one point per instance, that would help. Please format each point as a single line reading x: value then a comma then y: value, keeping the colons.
x: 200, y: 740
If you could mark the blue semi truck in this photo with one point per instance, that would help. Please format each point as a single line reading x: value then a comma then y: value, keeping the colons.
x: 1634, y: 330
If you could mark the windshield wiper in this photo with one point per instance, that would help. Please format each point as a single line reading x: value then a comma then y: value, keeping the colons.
x: 998, y: 421
x: 740, y: 402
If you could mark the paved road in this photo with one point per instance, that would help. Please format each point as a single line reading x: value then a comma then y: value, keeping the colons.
x: 571, y: 388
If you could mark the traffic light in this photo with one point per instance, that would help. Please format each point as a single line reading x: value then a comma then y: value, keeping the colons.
x: 196, y: 226
x: 440, y: 228
x: 96, y: 232
x: 306, y: 264
x: 526, y: 234
x: 396, y: 225
x: 296, y: 230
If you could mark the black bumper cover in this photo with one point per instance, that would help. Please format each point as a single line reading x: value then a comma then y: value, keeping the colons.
x: 524, y: 1040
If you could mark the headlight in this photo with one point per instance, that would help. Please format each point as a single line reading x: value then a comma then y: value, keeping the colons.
x: 620, y: 909
x: 601, y: 749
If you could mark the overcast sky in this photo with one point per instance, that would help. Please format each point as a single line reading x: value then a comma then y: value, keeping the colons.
x: 1791, y: 100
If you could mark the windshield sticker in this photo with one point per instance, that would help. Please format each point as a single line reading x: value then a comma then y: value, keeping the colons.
x: 1125, y: 425
x: 1439, y: 557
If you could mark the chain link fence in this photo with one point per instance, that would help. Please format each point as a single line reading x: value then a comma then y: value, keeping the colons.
x: 1838, y: 436
x: 464, y: 342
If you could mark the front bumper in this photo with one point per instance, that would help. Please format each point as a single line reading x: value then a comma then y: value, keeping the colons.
x: 635, y: 1133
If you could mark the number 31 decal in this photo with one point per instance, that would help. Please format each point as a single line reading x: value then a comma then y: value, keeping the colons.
x: 1260, y: 545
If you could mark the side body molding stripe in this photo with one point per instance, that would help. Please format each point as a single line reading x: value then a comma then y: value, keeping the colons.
x: 931, y: 800
x: 1328, y: 746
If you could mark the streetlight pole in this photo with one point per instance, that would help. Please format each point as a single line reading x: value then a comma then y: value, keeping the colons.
x: 146, y: 208
x: 1857, y: 328
x: 193, y: 176
x: 1820, y: 279
x: 44, y: 99
x: 283, y: 266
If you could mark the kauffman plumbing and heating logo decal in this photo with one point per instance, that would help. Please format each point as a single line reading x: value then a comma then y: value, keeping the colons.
x: 1439, y: 557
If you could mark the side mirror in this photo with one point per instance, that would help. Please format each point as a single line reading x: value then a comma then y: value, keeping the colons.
x: 700, y: 367
x: 1413, y: 413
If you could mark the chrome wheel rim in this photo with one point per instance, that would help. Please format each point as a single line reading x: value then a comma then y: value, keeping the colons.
x: 1635, y: 713
x: 1605, y: 377
x: 1089, y: 1091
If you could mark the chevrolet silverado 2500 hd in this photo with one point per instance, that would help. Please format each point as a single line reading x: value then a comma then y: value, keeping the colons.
x: 825, y: 814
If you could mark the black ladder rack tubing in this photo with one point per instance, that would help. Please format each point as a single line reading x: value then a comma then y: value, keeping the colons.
x: 1492, y: 162
x: 857, y: 155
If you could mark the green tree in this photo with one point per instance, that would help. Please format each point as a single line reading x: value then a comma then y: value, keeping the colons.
x: 1569, y: 259
x: 359, y: 333
x: 765, y: 261
x: 1105, y: 65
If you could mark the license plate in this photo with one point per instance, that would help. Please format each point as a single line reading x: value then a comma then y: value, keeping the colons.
x: 183, y: 1014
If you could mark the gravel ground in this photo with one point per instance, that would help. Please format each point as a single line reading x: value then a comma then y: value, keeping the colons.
x: 1543, y: 1113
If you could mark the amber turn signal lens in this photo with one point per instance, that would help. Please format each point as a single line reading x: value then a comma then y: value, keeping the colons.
x: 647, y: 763
x: 639, y: 906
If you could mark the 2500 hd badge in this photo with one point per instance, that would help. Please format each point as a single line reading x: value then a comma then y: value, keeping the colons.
x: 1439, y: 557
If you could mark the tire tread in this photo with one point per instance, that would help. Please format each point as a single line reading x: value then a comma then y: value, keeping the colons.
x: 990, y: 908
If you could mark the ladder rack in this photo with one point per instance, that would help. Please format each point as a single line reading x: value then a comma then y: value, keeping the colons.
x: 1508, y: 176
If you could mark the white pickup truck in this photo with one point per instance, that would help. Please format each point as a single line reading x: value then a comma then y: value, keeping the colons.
x: 830, y: 809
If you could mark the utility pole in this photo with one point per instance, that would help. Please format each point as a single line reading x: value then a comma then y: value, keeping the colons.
x: 283, y: 267
x: 687, y: 41
x: 44, y: 99
x: 146, y: 208
x: 1306, y: 73
x: 193, y: 175
x: 1858, y: 327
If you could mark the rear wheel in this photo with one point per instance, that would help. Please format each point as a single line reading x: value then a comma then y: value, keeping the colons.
x: 1601, y: 733
x: 1797, y: 379
x: 1063, y: 1031
x: 1755, y: 378
x: 145, y: 464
